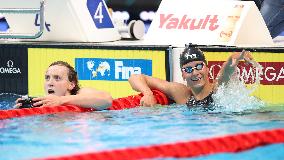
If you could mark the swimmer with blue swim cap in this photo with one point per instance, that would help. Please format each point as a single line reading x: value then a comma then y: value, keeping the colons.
x: 199, y: 90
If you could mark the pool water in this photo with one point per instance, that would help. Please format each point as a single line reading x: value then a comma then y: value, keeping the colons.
x: 69, y: 133
x: 235, y: 111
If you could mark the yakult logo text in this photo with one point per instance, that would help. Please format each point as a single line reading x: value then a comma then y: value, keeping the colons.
x: 170, y: 21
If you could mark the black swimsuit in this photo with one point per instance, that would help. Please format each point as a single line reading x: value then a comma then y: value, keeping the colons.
x: 192, y: 102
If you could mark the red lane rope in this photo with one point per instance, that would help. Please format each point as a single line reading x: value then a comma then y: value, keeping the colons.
x: 231, y: 143
x: 118, y: 104
x: 13, y: 113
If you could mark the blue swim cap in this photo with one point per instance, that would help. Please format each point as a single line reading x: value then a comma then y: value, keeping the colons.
x: 190, y: 54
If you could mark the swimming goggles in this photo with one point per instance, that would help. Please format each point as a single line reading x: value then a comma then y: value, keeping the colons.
x: 190, y: 69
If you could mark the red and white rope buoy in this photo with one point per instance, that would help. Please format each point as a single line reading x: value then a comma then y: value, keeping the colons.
x: 231, y: 143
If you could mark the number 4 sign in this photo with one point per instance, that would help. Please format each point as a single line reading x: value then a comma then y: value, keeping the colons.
x: 99, y: 13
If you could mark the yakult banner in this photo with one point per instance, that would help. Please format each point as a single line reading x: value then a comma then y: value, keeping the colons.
x: 207, y: 22
x: 271, y: 75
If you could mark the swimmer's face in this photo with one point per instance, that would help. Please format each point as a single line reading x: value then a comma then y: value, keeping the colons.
x: 56, y: 81
x: 196, y: 74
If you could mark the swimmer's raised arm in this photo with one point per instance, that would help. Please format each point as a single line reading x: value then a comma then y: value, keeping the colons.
x: 229, y: 67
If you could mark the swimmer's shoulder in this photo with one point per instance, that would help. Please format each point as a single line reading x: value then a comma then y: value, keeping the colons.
x: 180, y: 92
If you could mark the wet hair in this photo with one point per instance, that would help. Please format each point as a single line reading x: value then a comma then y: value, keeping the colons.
x: 190, y: 54
x: 72, y: 75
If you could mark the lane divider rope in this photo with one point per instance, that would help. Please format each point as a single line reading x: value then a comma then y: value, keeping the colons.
x: 231, y: 143
x: 118, y: 104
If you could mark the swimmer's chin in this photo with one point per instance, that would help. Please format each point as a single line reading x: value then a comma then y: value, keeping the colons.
x: 197, y: 84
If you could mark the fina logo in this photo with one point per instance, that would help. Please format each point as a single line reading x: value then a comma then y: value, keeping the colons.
x: 103, y: 68
x: 111, y: 69
x: 125, y: 71
x: 10, y: 69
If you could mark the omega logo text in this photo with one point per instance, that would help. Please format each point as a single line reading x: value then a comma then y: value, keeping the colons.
x: 10, y: 69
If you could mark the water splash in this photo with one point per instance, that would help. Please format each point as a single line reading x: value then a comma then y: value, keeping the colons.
x: 236, y: 96
x: 255, y: 82
x: 7, y: 100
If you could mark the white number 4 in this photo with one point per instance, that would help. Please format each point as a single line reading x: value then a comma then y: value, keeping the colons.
x: 99, y: 13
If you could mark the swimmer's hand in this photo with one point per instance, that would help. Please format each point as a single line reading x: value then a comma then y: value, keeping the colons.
x: 18, y: 105
x: 49, y: 100
x: 229, y: 67
x: 244, y: 55
x: 25, y: 102
x: 148, y: 100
